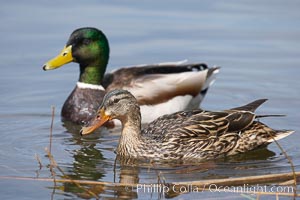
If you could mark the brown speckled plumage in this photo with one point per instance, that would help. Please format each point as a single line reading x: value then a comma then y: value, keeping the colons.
x: 187, y: 135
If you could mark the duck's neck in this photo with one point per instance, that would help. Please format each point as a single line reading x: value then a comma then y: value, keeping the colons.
x: 130, y: 140
x: 93, y: 73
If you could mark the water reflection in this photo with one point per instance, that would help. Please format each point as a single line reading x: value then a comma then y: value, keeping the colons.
x: 73, y: 129
x: 87, y: 163
x: 255, y: 43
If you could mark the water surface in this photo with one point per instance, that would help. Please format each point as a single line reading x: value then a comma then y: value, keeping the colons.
x: 256, y: 44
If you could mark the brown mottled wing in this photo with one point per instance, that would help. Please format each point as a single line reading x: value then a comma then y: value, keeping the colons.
x: 198, y: 124
x: 242, y: 117
x: 187, y: 124
x: 160, y: 127
x: 239, y: 120
x: 216, y: 123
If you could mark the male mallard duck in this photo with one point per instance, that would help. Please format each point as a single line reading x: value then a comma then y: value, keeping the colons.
x: 160, y: 89
x: 186, y: 135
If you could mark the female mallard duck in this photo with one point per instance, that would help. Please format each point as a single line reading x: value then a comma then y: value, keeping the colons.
x: 186, y: 135
x: 160, y: 89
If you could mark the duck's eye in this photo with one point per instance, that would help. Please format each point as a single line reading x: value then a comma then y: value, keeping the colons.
x: 86, y: 41
x: 116, y: 100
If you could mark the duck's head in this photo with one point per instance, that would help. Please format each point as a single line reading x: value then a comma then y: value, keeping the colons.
x: 87, y: 46
x: 117, y: 104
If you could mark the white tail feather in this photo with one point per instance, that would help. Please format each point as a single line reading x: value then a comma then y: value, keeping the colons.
x: 280, y: 135
x: 211, y: 79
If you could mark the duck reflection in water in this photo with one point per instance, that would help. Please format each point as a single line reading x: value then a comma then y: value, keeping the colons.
x: 90, y: 164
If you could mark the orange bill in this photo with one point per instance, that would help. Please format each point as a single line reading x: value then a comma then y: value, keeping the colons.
x: 95, y: 123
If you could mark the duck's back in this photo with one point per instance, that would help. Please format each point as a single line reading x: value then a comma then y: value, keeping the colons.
x: 198, y: 123
x: 202, y: 134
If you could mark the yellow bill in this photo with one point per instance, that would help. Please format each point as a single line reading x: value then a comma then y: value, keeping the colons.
x: 63, y: 58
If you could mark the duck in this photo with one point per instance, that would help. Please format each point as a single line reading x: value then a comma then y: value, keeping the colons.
x: 185, y: 135
x: 161, y: 88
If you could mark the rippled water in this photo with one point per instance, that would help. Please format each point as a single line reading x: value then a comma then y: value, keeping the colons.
x: 256, y: 44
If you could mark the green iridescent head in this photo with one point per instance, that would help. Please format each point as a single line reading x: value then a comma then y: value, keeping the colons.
x: 89, y: 47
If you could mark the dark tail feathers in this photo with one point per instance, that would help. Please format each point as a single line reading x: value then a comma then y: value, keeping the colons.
x: 262, y: 116
x: 251, y: 106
